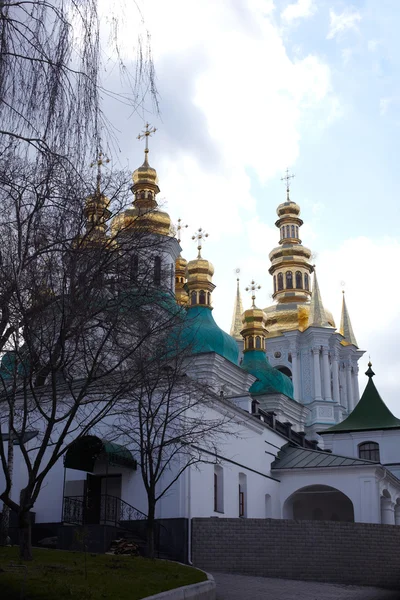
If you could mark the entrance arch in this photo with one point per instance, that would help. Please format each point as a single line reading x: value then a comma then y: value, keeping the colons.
x: 319, y: 503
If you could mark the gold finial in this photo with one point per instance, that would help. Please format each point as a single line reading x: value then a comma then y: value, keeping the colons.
x: 287, y: 178
x: 99, y: 162
x: 199, y: 236
x: 252, y: 288
x: 146, y: 134
x: 178, y: 229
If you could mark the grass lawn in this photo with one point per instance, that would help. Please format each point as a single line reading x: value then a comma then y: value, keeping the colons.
x: 58, y: 575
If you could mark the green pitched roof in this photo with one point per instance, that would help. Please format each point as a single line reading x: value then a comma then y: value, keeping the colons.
x: 269, y: 379
x: 291, y: 457
x: 371, y: 413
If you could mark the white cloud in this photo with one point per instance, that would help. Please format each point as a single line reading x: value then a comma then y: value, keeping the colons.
x: 299, y: 10
x: 345, y: 21
x: 384, y: 105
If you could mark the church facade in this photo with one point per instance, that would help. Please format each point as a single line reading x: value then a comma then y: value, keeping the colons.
x: 300, y: 445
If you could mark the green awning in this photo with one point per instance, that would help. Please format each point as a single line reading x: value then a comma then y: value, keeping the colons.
x: 83, y: 453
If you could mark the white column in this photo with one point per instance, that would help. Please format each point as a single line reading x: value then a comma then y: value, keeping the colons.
x: 317, y: 375
x: 327, y: 374
x: 356, y: 389
x: 335, y: 379
x: 387, y: 511
x: 349, y: 388
x: 295, y: 374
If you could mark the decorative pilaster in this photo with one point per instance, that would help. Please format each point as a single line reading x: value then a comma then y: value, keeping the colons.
x: 356, y: 389
x: 317, y: 374
x: 335, y: 378
x: 327, y: 374
x: 349, y: 388
x: 295, y: 374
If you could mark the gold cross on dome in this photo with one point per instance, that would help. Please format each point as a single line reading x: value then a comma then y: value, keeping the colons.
x: 178, y: 229
x: 287, y: 179
x: 100, y: 161
x: 199, y: 236
x: 253, y: 287
x: 146, y: 134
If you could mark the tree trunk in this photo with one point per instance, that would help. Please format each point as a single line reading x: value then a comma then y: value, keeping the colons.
x: 151, y: 528
x: 4, y: 525
x: 25, y: 537
x: 5, y: 518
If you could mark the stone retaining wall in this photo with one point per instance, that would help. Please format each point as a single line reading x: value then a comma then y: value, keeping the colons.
x: 353, y: 553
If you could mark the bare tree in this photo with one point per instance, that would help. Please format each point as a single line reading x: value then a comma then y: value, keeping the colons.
x: 169, y: 418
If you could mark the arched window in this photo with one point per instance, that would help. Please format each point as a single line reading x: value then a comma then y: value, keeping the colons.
x: 274, y: 284
x: 282, y: 233
x: 258, y: 342
x: 218, y: 489
x: 209, y: 298
x: 202, y: 297
x: 299, y: 280
x: 297, y: 231
x: 157, y: 270
x: 193, y: 298
x: 369, y: 451
x: 251, y: 343
x: 293, y: 233
x: 134, y: 266
x: 280, y: 281
x: 306, y: 282
x: 287, y: 230
x: 143, y: 195
x: 289, y: 280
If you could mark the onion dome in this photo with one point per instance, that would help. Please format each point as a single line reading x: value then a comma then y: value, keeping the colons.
x: 181, y: 295
x: 291, y: 272
x: 255, y: 361
x: 201, y: 332
x: 145, y: 214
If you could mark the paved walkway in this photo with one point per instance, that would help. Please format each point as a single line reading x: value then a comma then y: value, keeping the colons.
x: 241, y: 587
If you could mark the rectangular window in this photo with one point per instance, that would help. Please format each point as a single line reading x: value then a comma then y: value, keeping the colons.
x: 215, y: 492
x: 241, y: 502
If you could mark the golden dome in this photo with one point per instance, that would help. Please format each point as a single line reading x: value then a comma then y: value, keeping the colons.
x: 288, y: 208
x: 199, y: 269
x: 287, y: 317
x: 145, y: 174
x: 181, y: 295
x: 154, y: 221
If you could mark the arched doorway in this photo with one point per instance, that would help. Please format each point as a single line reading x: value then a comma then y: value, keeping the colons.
x: 318, y: 503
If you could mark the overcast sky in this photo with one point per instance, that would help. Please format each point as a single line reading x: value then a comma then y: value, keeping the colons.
x: 250, y: 87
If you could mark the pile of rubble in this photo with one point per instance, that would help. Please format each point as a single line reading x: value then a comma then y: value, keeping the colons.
x: 123, y: 546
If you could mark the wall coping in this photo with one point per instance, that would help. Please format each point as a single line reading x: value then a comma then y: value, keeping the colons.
x: 205, y: 590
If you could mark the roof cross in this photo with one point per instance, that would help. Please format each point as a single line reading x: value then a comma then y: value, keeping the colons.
x: 287, y: 179
x: 146, y: 134
x: 178, y: 229
x: 253, y: 287
x: 100, y: 161
x: 199, y: 236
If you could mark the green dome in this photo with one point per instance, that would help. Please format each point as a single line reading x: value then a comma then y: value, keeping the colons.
x: 269, y: 379
x: 204, y: 335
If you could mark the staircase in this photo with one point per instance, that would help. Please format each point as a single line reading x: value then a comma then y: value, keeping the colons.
x: 130, y: 522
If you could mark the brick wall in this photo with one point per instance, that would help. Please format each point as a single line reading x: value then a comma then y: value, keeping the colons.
x: 354, y: 553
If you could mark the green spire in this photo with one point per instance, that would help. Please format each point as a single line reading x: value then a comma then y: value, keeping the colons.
x: 371, y: 413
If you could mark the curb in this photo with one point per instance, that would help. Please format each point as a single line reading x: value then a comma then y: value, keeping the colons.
x: 206, y: 590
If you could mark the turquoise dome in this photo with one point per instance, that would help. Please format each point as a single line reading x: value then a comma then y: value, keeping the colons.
x: 269, y: 379
x: 204, y: 335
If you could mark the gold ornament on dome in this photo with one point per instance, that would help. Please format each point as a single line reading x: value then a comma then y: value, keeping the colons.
x: 199, y: 236
x: 286, y: 178
x: 253, y: 287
